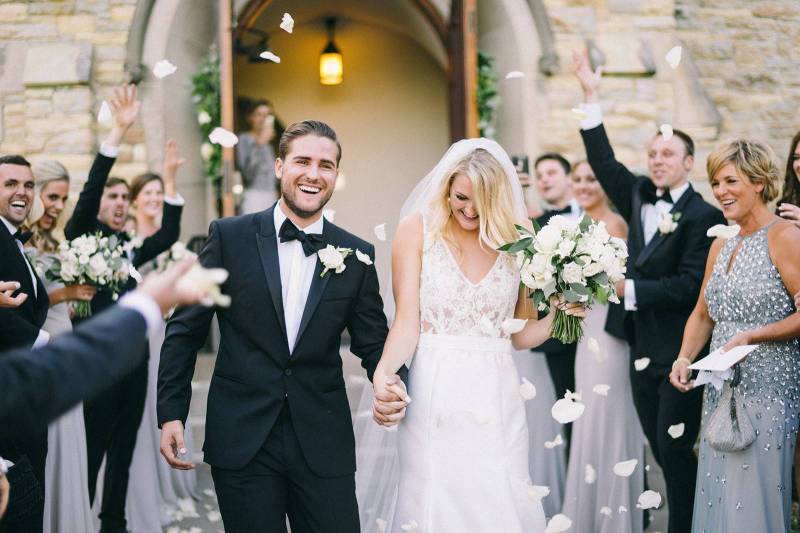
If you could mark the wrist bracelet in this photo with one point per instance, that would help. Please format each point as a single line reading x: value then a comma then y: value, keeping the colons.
x: 681, y: 359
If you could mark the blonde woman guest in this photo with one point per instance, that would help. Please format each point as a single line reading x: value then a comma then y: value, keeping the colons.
x: 463, y: 445
x: 747, y: 299
x: 67, y: 508
x: 603, y: 379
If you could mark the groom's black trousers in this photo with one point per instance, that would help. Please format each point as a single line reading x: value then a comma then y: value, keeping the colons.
x: 278, y: 483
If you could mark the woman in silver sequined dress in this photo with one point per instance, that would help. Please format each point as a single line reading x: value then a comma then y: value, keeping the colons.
x: 747, y: 299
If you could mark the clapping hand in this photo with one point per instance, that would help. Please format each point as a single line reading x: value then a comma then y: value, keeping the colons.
x: 391, y: 399
x: 172, y: 161
x: 7, y: 289
x: 589, y: 79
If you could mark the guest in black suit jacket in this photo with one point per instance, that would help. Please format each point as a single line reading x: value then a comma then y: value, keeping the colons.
x: 113, y: 418
x: 279, y: 436
x: 21, y: 326
x: 668, y: 248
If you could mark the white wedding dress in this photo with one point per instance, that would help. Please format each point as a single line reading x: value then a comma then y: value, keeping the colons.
x: 463, y: 445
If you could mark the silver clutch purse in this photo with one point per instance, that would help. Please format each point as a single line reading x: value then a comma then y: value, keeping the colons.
x: 729, y: 428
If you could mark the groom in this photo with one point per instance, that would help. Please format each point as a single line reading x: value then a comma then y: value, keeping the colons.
x: 279, y: 435
x: 667, y: 252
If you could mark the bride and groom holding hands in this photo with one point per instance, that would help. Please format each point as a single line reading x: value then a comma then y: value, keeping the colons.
x: 279, y: 434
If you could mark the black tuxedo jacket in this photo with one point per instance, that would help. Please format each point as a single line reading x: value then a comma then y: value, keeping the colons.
x: 84, y: 220
x: 255, y: 375
x: 20, y: 326
x: 37, y: 386
x: 668, y: 271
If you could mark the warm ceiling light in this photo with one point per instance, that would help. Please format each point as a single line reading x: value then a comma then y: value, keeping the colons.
x: 331, y: 66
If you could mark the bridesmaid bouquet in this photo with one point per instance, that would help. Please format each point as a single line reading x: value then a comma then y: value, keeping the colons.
x: 578, y: 260
x: 92, y: 260
x: 175, y: 253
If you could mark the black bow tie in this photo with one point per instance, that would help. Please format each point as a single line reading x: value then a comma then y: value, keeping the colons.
x: 565, y: 211
x: 23, y: 236
x: 311, y: 242
x: 651, y: 196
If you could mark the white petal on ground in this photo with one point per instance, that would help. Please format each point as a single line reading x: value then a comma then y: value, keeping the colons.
x: 605, y: 511
x: 601, y: 389
x: 164, y: 68
x: 287, y: 23
x: 673, y: 57
x: 649, y: 499
x: 527, y: 390
x: 223, y: 137
x: 622, y: 509
x: 214, y: 516
x: 104, y: 115
x: 329, y: 214
x: 364, y: 258
x: 410, y: 526
x: 724, y: 231
x: 676, y: 430
x: 266, y: 54
x: 558, y: 441
x: 515, y: 74
x: 666, y: 131
x: 558, y: 524
x: 580, y: 113
x: 590, y: 474
x: 381, y: 523
x: 513, y: 325
x: 537, y: 492
x: 134, y: 273
x: 625, y: 468
x: 380, y: 232
x: 566, y: 410
x: 641, y: 363
x: 593, y: 345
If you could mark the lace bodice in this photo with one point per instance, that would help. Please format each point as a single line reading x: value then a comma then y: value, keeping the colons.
x: 452, y: 305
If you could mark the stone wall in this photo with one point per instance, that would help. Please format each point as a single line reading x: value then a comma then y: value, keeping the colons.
x: 59, y: 60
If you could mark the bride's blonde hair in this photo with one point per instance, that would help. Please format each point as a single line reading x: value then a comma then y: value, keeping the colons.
x: 494, y: 200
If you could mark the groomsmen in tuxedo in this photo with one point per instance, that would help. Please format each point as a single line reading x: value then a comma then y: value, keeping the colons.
x: 668, y: 248
x: 21, y: 326
x: 555, y: 188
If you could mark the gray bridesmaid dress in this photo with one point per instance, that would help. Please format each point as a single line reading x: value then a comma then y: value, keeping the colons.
x: 750, y: 490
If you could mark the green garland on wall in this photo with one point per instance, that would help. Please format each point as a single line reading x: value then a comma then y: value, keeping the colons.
x: 206, y: 98
x: 487, y: 95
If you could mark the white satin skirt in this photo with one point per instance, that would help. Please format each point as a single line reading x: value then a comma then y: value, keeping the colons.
x: 463, y: 445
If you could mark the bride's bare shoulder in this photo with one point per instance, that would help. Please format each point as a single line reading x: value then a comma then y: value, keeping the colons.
x: 409, y: 234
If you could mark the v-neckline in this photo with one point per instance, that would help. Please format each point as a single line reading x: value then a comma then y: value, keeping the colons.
x: 455, y: 264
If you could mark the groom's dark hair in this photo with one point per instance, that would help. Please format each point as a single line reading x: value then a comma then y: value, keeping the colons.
x: 307, y: 127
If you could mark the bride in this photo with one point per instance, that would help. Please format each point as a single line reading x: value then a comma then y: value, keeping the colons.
x: 463, y: 445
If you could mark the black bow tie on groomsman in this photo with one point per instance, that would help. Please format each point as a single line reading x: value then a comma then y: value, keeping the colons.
x: 564, y: 211
x: 651, y: 195
x: 23, y: 236
x: 311, y: 242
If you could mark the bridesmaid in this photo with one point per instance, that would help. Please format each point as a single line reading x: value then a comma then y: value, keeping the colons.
x: 67, y: 508
x: 789, y: 204
x: 255, y: 157
x: 609, y: 431
x: 747, y: 299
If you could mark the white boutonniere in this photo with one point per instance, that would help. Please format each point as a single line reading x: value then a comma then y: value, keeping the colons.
x: 332, y: 258
x: 668, y: 223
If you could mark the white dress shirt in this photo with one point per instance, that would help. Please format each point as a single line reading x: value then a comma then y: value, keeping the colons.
x: 43, y: 337
x: 297, y: 272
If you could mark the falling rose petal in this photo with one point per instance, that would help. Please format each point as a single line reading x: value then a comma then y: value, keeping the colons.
x: 269, y: 56
x: 625, y: 468
x: 223, y: 137
x: 410, y: 526
x: 605, y: 511
x: 724, y: 231
x: 134, y: 273
x: 646, y: 468
x: 380, y: 232
x: 676, y: 430
x: 538, y: 492
x: 104, y: 115
x: 558, y: 441
x: 601, y: 389
x: 666, y: 131
x: 164, y: 68
x: 558, y: 524
x: 514, y: 74
x: 527, y: 390
x: 649, y: 499
x: 329, y: 214
x: 381, y: 523
x: 622, y: 509
x: 673, y: 57
x: 593, y: 345
x: 513, y: 325
x: 590, y: 474
x: 364, y: 258
x: 287, y: 23
x: 580, y: 113
x: 569, y: 395
x: 566, y: 410
x: 641, y: 364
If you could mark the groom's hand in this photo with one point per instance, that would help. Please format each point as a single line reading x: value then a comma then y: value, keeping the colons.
x: 173, y: 445
x: 389, y: 406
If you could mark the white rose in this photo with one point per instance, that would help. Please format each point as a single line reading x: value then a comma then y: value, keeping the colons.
x: 83, y: 259
x: 620, y: 246
x: 548, y: 239
x: 573, y: 273
x: 527, y: 279
x: 666, y: 224
x: 595, y: 249
x: 97, y: 265
x: 600, y: 233
x: 564, y: 224
x: 592, y: 269
x: 203, y: 118
x: 332, y: 259
x: 206, y: 151
x: 521, y: 259
x: 566, y: 247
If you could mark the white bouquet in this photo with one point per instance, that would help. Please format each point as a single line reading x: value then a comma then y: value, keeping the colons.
x: 578, y: 260
x: 92, y: 260
x: 175, y: 253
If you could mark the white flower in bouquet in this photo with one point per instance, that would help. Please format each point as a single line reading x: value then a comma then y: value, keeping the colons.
x: 548, y: 239
x: 568, y: 226
x: 566, y: 247
x: 600, y: 233
x: 573, y: 273
x: 98, y: 267
x: 592, y: 269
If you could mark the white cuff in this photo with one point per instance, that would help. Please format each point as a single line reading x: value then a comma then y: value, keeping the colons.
x: 177, y: 201
x: 147, y: 307
x: 630, y: 295
x: 109, y: 150
x: 4, y: 466
x: 42, y: 339
x: 594, y: 115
